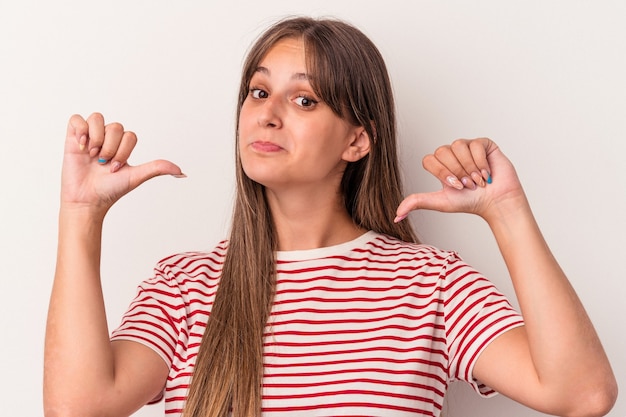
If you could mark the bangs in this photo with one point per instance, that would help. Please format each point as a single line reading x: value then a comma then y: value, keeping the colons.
x: 345, y: 70
x: 328, y: 72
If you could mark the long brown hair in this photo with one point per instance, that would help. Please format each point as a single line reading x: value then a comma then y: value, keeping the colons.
x: 349, y: 74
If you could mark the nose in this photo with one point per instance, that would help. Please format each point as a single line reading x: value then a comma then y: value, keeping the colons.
x: 270, y: 113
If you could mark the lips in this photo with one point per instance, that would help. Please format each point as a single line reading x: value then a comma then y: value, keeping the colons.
x: 261, y: 146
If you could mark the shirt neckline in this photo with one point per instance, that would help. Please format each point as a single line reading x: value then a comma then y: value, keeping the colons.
x: 307, y: 254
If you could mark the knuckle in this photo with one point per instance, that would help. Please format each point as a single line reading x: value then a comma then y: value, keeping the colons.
x: 96, y: 118
x: 479, y: 147
x: 114, y: 127
x: 441, y: 151
x: 77, y: 121
x: 458, y: 144
x: 427, y: 161
x: 130, y: 138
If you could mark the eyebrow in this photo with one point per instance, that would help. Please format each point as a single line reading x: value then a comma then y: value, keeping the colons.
x: 298, y: 76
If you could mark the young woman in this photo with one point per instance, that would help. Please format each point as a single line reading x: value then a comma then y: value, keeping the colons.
x: 321, y: 302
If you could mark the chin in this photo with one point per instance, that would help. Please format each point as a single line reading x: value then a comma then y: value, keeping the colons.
x: 262, y: 175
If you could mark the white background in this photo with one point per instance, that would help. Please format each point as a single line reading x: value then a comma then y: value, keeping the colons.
x: 545, y: 79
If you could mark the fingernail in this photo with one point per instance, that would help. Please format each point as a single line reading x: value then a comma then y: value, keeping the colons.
x: 181, y: 175
x: 486, y: 175
x: 94, y: 151
x: 102, y: 160
x: 468, y: 183
x: 478, y: 179
x: 115, y: 166
x: 398, y: 219
x: 82, y: 142
x: 454, y: 182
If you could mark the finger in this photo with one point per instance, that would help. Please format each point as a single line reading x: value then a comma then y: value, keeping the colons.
x: 429, y: 201
x: 433, y: 164
x: 113, y: 133
x: 470, y: 173
x: 480, y: 148
x: 144, y: 172
x: 96, y: 133
x: 77, y: 130
x: 126, y: 146
x: 455, y: 174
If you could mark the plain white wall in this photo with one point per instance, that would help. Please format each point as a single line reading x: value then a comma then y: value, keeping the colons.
x: 545, y: 79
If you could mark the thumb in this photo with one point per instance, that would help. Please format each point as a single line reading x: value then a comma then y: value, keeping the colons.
x: 144, y: 172
x: 437, y: 200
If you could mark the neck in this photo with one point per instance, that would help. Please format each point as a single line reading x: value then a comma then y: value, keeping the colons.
x: 305, y: 219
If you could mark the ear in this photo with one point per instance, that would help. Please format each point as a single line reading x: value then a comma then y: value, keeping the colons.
x: 358, y: 147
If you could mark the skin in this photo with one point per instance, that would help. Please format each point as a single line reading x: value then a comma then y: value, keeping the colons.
x: 299, y: 153
x: 293, y: 144
x: 94, y: 377
x: 555, y: 366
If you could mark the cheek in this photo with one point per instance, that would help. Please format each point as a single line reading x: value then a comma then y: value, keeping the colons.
x: 246, y: 118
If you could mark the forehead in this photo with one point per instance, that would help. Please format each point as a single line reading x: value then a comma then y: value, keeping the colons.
x: 284, y: 54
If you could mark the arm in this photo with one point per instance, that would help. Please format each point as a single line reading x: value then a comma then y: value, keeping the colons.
x: 84, y: 373
x: 557, y: 360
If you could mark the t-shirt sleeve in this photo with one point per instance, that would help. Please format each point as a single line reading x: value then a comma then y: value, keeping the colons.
x: 154, y: 317
x: 476, y: 313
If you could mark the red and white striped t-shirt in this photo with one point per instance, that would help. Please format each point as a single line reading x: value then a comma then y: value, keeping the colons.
x: 371, y: 327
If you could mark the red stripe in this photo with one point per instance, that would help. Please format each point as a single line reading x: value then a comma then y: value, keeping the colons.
x: 358, y: 380
x: 357, y: 310
x: 398, y: 316
x: 349, y: 405
x: 431, y: 336
x: 499, y: 330
x: 137, y: 337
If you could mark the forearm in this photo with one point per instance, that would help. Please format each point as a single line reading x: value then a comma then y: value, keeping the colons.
x: 78, y: 356
x: 85, y: 374
x: 557, y: 360
x: 564, y: 346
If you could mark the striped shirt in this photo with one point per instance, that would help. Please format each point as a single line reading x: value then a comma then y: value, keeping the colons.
x: 371, y: 327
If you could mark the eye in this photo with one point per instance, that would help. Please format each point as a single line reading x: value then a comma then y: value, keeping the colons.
x: 304, y: 101
x: 258, y: 93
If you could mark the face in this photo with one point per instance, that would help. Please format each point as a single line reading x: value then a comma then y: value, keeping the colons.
x: 287, y: 136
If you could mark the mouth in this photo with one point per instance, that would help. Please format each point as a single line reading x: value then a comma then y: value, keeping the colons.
x: 265, y: 147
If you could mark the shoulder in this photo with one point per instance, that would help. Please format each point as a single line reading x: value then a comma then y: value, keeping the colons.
x: 389, y: 246
x: 192, y: 264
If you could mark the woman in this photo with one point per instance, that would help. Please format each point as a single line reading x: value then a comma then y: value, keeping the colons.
x: 321, y: 302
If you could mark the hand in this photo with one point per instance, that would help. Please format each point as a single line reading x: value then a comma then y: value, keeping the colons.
x: 95, y: 170
x: 476, y: 177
